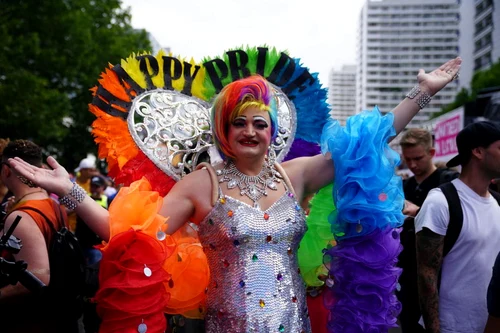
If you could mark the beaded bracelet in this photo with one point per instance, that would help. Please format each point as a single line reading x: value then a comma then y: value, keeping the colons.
x: 74, y: 197
x: 422, y: 100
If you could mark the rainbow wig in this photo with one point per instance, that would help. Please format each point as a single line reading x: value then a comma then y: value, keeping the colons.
x: 233, y: 100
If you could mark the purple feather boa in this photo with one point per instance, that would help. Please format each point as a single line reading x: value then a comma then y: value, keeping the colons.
x: 362, y: 297
x: 302, y: 148
x: 369, y: 199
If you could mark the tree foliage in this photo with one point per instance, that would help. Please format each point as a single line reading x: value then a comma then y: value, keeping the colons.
x: 52, y: 54
x: 481, y: 80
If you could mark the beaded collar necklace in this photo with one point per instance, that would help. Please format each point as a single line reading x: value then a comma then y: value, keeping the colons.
x: 254, y: 187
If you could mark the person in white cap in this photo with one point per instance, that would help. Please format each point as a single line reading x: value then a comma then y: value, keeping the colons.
x: 85, y: 171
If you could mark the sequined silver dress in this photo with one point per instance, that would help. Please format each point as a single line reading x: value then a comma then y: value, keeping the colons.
x: 255, y: 284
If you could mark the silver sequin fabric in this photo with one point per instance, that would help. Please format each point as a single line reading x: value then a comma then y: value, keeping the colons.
x: 255, y: 283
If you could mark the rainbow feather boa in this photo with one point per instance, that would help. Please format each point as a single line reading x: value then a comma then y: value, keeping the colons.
x: 369, y: 200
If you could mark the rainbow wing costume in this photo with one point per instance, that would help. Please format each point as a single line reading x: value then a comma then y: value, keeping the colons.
x: 153, y: 127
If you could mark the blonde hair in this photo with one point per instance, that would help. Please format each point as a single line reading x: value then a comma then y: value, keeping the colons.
x: 416, y: 136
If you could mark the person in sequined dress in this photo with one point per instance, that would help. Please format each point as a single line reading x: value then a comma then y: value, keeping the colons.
x: 250, y: 237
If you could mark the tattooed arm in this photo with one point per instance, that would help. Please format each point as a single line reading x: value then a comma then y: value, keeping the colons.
x: 429, y: 261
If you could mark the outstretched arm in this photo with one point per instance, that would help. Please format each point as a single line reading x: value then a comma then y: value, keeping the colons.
x: 429, y: 83
x: 429, y: 260
x: 57, y: 181
x: 309, y: 174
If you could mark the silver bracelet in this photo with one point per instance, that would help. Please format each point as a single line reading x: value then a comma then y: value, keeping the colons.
x: 422, y: 100
x: 413, y: 92
x: 74, y: 197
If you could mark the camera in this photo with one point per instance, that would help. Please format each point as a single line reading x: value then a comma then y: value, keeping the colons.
x: 12, y: 272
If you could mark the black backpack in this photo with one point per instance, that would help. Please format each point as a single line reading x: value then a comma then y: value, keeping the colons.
x: 456, y: 215
x: 67, y: 266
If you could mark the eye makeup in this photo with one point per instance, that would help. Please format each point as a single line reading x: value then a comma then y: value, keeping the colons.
x: 261, y: 120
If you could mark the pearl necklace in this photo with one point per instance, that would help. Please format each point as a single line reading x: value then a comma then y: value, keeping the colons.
x: 254, y: 187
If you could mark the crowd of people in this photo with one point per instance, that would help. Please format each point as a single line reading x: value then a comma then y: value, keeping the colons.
x: 250, y: 234
x: 449, y: 241
x: 42, y: 215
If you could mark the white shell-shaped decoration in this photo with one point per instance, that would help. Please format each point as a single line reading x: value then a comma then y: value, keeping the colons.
x: 174, y: 131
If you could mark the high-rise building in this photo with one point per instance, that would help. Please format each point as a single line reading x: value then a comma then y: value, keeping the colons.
x: 486, y: 33
x: 342, y: 92
x: 466, y: 42
x: 397, y: 38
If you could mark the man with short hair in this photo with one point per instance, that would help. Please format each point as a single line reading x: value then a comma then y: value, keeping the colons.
x: 97, y: 187
x: 20, y: 309
x: 456, y: 301
x: 418, y: 152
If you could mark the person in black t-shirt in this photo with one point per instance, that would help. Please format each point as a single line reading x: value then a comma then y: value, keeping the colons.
x: 418, y: 152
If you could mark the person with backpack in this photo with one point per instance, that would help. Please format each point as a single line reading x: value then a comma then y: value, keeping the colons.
x: 457, y: 233
x: 418, y: 152
x: 22, y: 310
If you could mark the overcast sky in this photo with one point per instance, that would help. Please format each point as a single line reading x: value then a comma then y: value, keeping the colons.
x: 321, y: 32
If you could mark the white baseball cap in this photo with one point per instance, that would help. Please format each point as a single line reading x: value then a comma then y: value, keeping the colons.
x: 86, y: 163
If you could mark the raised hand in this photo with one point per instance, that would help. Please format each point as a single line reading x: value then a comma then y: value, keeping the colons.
x: 437, y: 79
x: 55, y: 181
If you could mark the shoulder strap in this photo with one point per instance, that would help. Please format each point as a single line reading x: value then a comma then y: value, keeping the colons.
x: 213, y: 178
x: 456, y: 216
x: 283, y: 174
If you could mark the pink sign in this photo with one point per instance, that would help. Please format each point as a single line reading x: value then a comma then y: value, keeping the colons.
x: 445, y: 134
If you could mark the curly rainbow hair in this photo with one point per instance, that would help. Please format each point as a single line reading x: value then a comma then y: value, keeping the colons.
x: 233, y: 100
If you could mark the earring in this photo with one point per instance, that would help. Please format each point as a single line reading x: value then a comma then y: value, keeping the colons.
x: 271, y: 156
